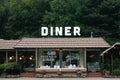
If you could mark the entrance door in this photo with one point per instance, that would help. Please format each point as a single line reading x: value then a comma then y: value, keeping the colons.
x: 93, y: 61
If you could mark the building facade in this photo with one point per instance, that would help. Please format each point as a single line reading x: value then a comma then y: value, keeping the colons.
x: 35, y: 54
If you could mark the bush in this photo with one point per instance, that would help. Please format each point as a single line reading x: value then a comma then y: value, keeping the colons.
x: 2, y: 68
x: 116, y: 63
x: 116, y: 72
x: 10, y: 68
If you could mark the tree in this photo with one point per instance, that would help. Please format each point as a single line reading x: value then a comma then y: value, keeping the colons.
x: 25, y: 17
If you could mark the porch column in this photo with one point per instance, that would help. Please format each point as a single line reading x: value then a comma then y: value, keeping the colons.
x: 6, y: 57
x: 36, y: 58
x: 112, y: 62
x: 60, y: 58
x: 16, y: 54
x: 102, y: 62
x: 85, y: 57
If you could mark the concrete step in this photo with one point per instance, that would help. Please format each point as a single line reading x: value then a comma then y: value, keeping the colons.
x: 94, y: 74
x: 27, y: 74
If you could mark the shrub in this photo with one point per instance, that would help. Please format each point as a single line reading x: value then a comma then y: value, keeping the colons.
x: 10, y: 68
x: 2, y: 68
x: 116, y: 72
x: 116, y: 63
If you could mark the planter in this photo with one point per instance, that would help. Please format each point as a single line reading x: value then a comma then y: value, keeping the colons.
x: 107, y: 73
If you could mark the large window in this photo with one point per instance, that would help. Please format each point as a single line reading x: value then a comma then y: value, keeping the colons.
x: 26, y: 59
x: 2, y: 57
x: 71, y: 59
x: 50, y: 59
x: 54, y: 59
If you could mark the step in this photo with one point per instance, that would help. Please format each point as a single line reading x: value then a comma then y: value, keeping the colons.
x: 94, y: 74
x: 27, y: 74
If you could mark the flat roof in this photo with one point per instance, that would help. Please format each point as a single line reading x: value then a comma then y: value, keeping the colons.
x: 62, y: 43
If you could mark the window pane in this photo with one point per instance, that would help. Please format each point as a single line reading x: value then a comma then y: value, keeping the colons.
x: 71, y: 59
x: 50, y: 59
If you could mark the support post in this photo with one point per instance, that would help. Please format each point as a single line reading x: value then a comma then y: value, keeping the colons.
x: 60, y: 58
x: 16, y: 56
x: 36, y: 58
x: 85, y: 57
x: 112, y: 62
x: 6, y: 57
x: 102, y: 63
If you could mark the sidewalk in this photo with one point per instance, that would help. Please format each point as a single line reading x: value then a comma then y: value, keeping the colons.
x: 59, y: 78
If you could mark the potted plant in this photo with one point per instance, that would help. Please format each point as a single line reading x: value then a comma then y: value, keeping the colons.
x: 106, y: 73
x: 59, y: 73
x: 43, y: 72
x: 79, y: 73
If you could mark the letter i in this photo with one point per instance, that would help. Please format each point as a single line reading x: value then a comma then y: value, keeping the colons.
x: 51, y: 31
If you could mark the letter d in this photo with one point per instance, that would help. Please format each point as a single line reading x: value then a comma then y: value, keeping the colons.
x: 44, y: 31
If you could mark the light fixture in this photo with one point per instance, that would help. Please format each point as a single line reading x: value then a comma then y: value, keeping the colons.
x: 10, y: 58
x: 20, y: 58
x: 30, y: 58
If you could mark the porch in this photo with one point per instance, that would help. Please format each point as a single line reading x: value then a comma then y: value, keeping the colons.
x: 111, y: 61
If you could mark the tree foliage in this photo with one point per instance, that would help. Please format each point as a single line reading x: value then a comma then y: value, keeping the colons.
x: 23, y: 18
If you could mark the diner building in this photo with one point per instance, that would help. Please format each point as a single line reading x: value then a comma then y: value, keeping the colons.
x: 35, y: 54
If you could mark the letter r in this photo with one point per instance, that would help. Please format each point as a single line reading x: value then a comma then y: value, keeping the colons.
x: 77, y: 31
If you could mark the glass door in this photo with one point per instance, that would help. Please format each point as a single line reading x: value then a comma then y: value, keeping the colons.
x: 93, y: 61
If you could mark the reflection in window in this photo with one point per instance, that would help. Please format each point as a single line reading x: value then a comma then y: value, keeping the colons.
x: 71, y: 59
x: 50, y: 59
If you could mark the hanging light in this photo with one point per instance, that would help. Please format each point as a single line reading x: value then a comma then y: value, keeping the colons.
x: 10, y: 58
x: 20, y: 58
x: 30, y: 58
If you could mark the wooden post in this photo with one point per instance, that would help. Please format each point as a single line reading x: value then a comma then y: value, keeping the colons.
x: 6, y: 57
x: 36, y: 58
x: 60, y: 58
x: 102, y: 63
x: 112, y: 62
x: 85, y: 57
x: 16, y: 56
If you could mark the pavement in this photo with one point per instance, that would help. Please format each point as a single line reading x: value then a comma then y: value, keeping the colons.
x: 59, y: 78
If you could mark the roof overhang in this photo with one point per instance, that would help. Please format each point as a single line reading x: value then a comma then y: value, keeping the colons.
x: 62, y: 43
x: 113, y: 46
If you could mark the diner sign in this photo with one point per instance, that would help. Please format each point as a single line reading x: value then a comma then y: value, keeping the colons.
x: 60, y: 31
